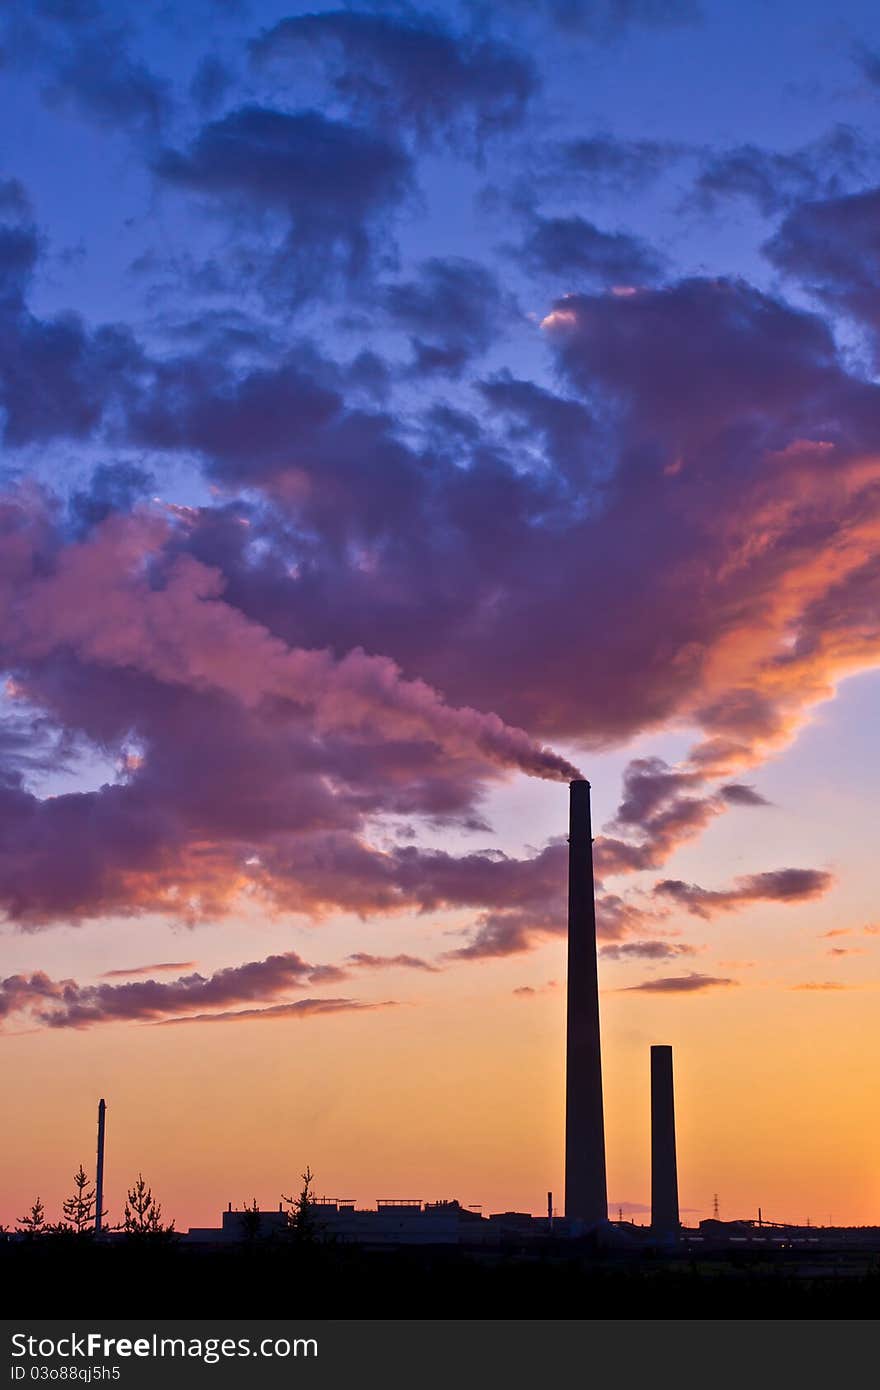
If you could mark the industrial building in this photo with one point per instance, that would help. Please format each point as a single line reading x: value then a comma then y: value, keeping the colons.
x: 393, y: 1221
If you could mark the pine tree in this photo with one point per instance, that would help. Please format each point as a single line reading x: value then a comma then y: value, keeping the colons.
x: 34, y: 1223
x: 79, y: 1210
x: 301, y: 1217
x: 143, y: 1215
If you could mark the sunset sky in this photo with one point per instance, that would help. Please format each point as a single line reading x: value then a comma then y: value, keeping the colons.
x: 405, y: 410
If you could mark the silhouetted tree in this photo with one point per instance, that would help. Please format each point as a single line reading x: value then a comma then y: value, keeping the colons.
x: 34, y: 1223
x: 301, y: 1216
x: 250, y: 1220
x: 143, y: 1215
x: 79, y: 1210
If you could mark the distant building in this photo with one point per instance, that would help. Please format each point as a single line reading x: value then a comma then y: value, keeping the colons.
x: 393, y: 1221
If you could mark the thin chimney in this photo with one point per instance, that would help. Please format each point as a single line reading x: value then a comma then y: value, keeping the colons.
x: 586, y: 1196
x: 99, y: 1174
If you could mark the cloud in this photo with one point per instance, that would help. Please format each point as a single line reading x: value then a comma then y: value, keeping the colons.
x: 776, y: 885
x: 822, y: 985
x: 301, y: 1008
x: 364, y: 961
x: 65, y: 1004
x: 609, y: 348
x: 575, y: 250
x: 775, y: 181
x: 646, y: 950
x: 679, y: 984
x: 868, y: 60
x: 210, y: 83
x: 162, y: 968
x: 102, y: 603
x: 740, y: 794
x: 638, y: 458
x: 109, y: 87
x: 82, y: 57
x: 606, y: 163
x: 408, y: 73
x: 830, y: 245
x: 57, y: 376
x: 113, y: 487
x: 453, y: 311
x: 663, y: 804
x: 723, y: 499
x: 329, y: 182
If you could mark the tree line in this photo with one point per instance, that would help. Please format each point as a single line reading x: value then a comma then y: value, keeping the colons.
x: 142, y: 1215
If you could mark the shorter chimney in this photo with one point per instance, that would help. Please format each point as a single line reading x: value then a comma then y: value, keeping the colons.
x: 664, y: 1174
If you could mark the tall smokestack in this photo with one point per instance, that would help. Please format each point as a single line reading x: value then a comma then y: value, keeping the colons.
x: 99, y: 1173
x: 586, y: 1196
x: 664, y: 1173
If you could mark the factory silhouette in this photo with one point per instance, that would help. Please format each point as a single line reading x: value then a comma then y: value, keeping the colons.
x: 412, y: 1222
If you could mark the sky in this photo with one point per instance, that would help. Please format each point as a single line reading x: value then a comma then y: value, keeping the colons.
x: 405, y: 410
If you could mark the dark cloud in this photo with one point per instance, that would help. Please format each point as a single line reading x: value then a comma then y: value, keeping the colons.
x: 162, y: 968
x: 65, y: 1004
x: 113, y: 487
x: 407, y: 74
x: 453, y: 310
x: 650, y: 785
x: 301, y: 1008
x: 14, y: 202
x: 777, y: 885
x: 680, y: 984
x: 110, y: 87
x: 745, y: 350
x: 832, y: 247
x: 364, y: 961
x: 646, y: 950
x: 532, y: 991
x: 210, y: 84
x: 18, y: 256
x: 84, y: 55
x: 573, y: 249
x: 773, y: 181
x: 741, y: 794
x: 57, y: 376
x: 606, y: 163
x: 547, y: 428
x: 329, y: 182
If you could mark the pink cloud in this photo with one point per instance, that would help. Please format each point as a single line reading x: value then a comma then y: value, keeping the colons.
x: 680, y: 984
